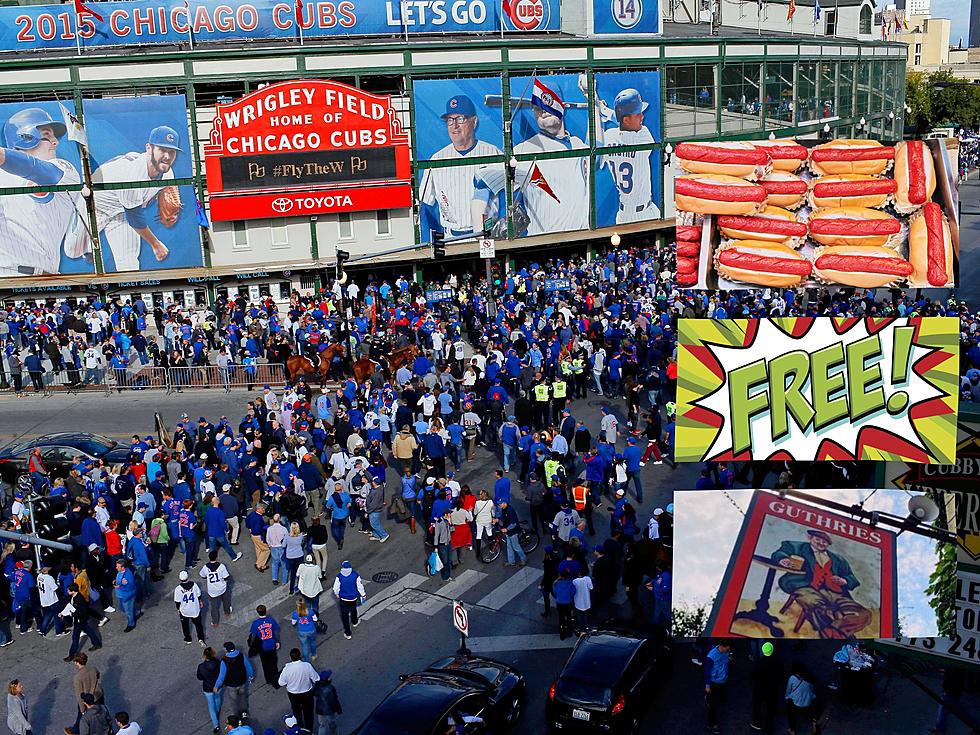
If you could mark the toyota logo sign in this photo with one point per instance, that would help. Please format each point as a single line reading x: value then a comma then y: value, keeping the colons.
x: 282, y: 205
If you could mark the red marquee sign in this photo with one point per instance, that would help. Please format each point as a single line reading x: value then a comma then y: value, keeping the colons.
x: 306, y: 147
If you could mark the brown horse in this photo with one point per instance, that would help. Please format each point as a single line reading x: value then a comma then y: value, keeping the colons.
x: 299, y: 366
x: 365, y: 367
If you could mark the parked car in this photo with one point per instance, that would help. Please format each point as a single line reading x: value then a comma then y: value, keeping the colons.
x: 57, y: 451
x: 485, y: 695
x: 607, y: 682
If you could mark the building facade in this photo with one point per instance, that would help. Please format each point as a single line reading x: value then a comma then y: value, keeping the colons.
x: 928, y: 41
x: 687, y: 88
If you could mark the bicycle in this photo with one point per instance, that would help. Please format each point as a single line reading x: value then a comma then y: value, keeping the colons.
x: 528, y: 539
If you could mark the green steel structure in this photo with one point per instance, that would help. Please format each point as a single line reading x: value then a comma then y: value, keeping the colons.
x: 803, y: 86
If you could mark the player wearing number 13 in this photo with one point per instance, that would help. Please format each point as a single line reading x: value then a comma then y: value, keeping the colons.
x: 121, y: 213
x: 630, y: 170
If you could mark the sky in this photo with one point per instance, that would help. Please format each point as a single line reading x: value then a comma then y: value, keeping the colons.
x: 958, y: 12
x: 709, y: 522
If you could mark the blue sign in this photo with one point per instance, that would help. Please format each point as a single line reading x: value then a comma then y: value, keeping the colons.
x: 141, y: 22
x: 626, y: 16
x: 557, y: 284
x: 434, y: 296
x: 627, y: 182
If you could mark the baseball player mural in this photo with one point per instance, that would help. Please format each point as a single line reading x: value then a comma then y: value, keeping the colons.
x: 135, y: 142
x: 33, y: 225
x: 552, y: 192
x: 455, y: 200
x: 634, y: 175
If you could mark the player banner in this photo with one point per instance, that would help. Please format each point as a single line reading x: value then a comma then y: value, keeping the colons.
x: 805, y: 389
x: 141, y: 22
x: 801, y: 571
x: 627, y: 186
x: 33, y: 227
x: 149, y: 227
x: 457, y: 120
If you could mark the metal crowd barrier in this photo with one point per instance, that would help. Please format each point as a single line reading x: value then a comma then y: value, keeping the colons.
x: 139, y: 377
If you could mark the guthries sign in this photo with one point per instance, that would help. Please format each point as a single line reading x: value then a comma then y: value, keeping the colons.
x: 306, y: 147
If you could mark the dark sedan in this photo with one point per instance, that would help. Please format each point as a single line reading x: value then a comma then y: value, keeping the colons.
x: 477, y: 694
x: 605, y: 685
x: 58, y: 451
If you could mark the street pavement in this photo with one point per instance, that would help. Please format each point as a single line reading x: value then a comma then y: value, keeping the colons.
x: 406, y: 624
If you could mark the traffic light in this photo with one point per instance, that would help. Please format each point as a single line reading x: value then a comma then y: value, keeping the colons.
x: 438, y: 244
x: 342, y: 257
x: 51, y: 524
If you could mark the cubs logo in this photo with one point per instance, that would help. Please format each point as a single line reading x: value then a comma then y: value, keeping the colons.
x: 42, y: 197
x: 626, y: 13
x: 547, y: 99
x: 171, y: 137
x: 527, y: 15
x: 282, y: 205
x: 454, y: 103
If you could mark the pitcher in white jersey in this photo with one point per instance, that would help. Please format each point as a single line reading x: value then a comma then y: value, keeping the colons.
x: 121, y: 213
x: 450, y: 190
x: 33, y: 226
x: 630, y: 170
x: 555, y: 191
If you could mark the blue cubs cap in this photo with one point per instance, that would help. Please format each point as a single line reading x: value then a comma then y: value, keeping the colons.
x: 164, y: 137
x: 459, y: 104
x: 629, y: 102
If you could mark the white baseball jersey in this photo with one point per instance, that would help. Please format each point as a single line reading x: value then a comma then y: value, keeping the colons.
x: 110, y: 206
x: 451, y: 188
x: 631, y: 175
x: 33, y: 226
x: 568, y: 178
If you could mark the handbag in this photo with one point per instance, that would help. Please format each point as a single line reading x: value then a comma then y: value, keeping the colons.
x: 254, y: 645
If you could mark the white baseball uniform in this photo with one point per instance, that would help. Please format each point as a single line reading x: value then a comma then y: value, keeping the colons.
x: 33, y: 226
x: 568, y: 178
x: 110, y: 206
x: 631, y: 175
x: 451, y: 188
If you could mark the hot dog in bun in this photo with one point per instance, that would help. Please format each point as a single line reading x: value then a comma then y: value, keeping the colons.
x: 860, y: 266
x: 730, y: 158
x: 772, y: 224
x: 915, y: 176
x: 786, y: 155
x: 851, y: 157
x: 785, y: 189
x: 851, y: 190
x: 717, y: 194
x: 930, y: 248
x: 853, y: 226
x: 762, y: 264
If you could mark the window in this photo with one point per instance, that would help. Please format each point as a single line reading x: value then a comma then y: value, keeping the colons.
x: 865, y: 23
x: 345, y: 226
x: 877, y: 86
x: 240, y: 234
x: 741, y: 108
x: 779, y: 94
x: 383, y: 223
x: 831, y: 29
x: 828, y: 88
x: 807, y: 104
x: 691, y: 107
x: 918, y: 48
x: 280, y: 238
x: 845, y: 89
x: 307, y: 281
x: 862, y: 100
x: 917, y: 61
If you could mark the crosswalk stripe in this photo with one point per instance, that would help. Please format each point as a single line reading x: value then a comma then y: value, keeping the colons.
x: 515, y: 584
x: 431, y: 602
x: 529, y: 642
x: 385, y: 596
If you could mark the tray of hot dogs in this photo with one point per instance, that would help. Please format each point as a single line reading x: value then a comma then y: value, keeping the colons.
x: 787, y: 213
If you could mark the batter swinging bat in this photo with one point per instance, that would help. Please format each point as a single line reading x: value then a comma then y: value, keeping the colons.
x: 517, y: 103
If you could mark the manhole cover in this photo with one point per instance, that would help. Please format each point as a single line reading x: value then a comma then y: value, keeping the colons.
x: 385, y: 577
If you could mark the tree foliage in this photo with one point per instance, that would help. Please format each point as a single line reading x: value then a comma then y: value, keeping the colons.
x: 932, y: 106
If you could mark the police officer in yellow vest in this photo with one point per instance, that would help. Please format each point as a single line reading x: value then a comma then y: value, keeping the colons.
x: 578, y: 377
x: 542, y: 395
x: 559, y: 392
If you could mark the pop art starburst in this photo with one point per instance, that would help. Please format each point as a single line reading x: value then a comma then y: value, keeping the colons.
x: 803, y: 388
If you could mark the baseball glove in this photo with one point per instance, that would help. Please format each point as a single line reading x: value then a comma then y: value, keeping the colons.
x: 168, y: 201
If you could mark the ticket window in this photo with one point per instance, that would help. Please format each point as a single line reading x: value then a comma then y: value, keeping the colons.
x: 265, y: 290
x: 221, y: 292
x: 156, y: 299
x: 285, y: 289
x: 200, y: 297
x: 179, y: 297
